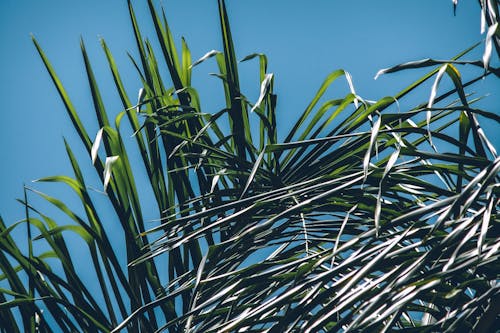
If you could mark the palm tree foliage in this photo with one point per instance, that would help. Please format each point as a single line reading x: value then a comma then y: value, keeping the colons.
x: 366, y: 217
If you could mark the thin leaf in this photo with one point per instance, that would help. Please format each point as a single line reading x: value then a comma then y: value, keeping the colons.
x: 95, y: 145
x: 110, y: 161
x: 488, y: 45
x: 264, y: 89
x: 207, y: 55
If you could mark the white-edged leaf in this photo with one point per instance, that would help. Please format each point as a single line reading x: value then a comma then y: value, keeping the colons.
x: 348, y: 77
x: 483, y: 17
x: 406, y: 65
x: 178, y: 91
x: 390, y: 163
x: 264, y: 88
x: 378, y: 206
x: 394, y: 306
x: 373, y: 138
x: 485, y: 223
x: 95, y: 145
x: 253, y: 172
x: 140, y: 98
x: 487, y: 142
x: 378, y: 209
x: 38, y: 318
x: 110, y: 161
x: 196, y: 285
x: 432, y: 97
x: 412, y: 123
x: 439, y: 76
x: 396, y: 136
x: 346, y: 218
x: 380, y: 72
x: 207, y: 55
x: 488, y: 45
x: 455, y: 254
x: 491, y: 12
x: 493, y: 251
x: 216, y: 179
x: 40, y: 275
x: 359, y: 274
x: 202, y: 157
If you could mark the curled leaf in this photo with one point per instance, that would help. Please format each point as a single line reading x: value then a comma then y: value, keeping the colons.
x: 488, y: 45
x: 264, y: 88
x: 439, y: 76
x: 207, y: 55
x: 251, y: 56
x: 95, y: 145
x: 408, y: 65
x: 348, y: 77
x: 391, y: 162
x: 110, y: 161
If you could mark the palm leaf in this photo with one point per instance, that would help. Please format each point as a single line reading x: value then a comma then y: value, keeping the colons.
x: 369, y: 216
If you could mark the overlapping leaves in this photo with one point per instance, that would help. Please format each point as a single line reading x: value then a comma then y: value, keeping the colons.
x: 368, y: 217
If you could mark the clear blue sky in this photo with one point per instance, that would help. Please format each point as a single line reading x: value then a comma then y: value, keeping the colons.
x: 304, y: 41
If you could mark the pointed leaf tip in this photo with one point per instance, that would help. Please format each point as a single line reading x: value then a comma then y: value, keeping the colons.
x: 251, y: 56
x: 140, y: 98
x: 373, y: 138
x: 207, y: 55
x: 351, y: 87
x: 380, y: 72
x: 95, y: 146
x: 264, y: 88
x: 439, y: 76
x: 488, y: 45
x: 110, y: 161
x: 483, y: 19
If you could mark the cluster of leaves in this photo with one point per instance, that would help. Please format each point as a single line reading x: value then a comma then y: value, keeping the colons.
x: 355, y: 222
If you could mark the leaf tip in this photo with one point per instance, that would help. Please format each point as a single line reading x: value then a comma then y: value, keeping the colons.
x: 380, y: 72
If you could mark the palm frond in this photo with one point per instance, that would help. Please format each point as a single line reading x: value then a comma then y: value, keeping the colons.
x: 369, y: 216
